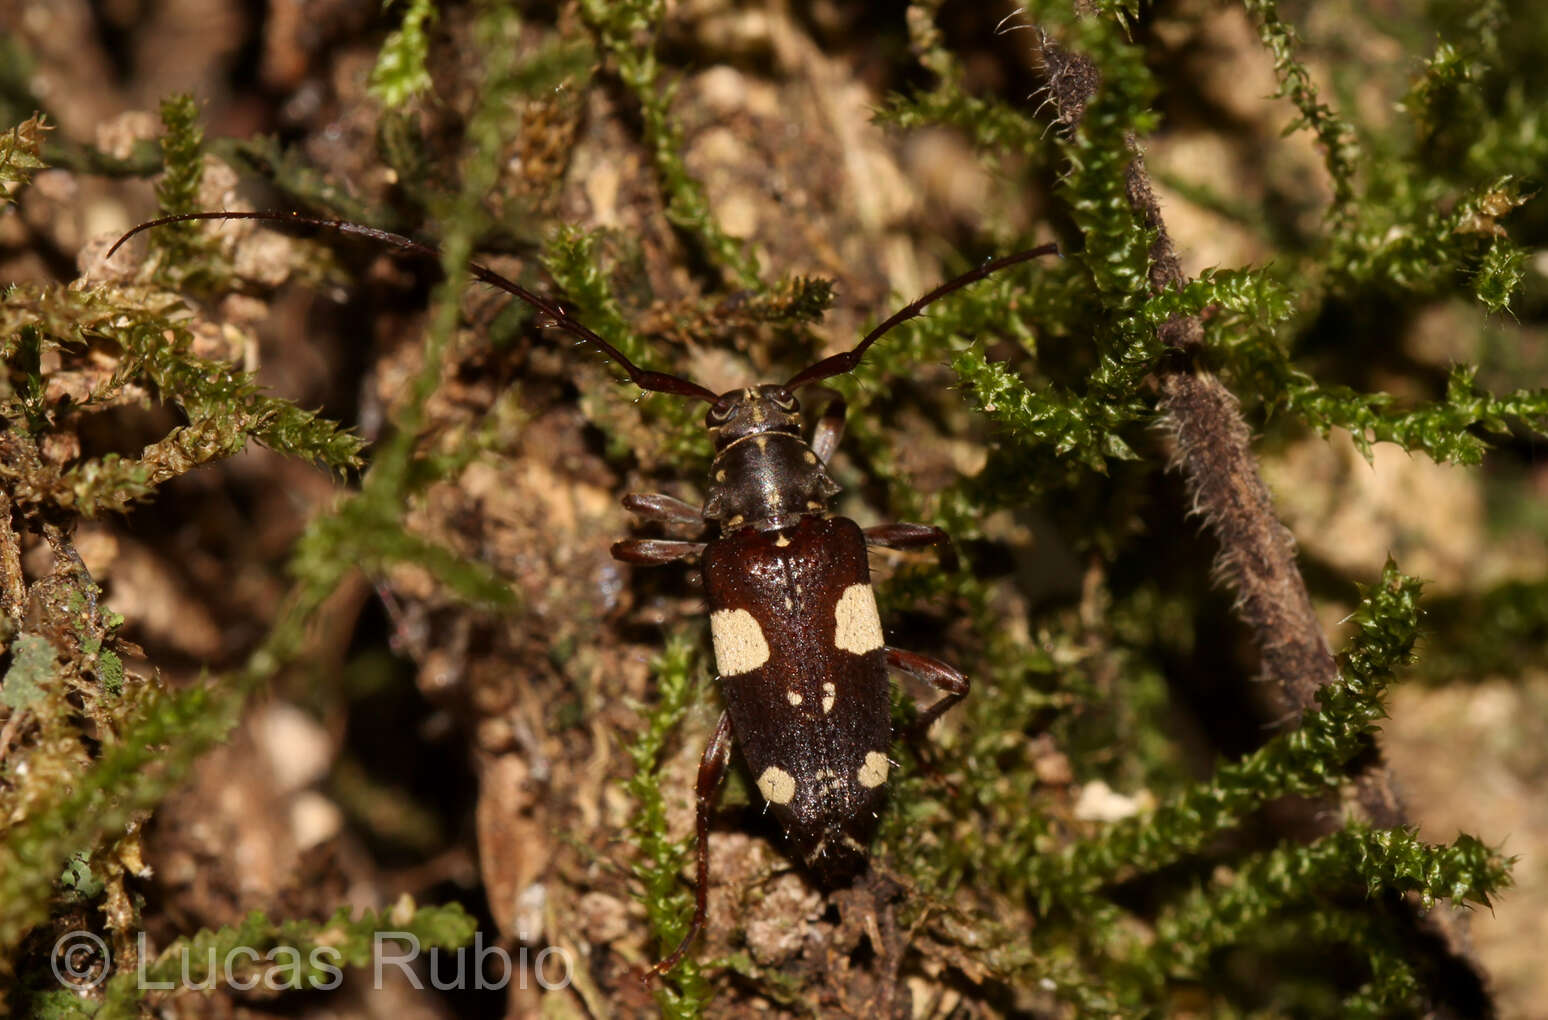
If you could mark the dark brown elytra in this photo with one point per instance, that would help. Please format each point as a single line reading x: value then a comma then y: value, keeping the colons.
x: 798, y: 641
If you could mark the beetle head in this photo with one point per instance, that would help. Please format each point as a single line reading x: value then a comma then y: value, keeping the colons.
x: 737, y: 414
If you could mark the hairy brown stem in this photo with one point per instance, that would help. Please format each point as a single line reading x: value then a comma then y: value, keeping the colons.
x: 1257, y: 553
x: 1214, y: 453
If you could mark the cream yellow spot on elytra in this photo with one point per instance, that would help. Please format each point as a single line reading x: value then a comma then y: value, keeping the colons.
x: 873, y: 771
x: 829, y: 696
x: 794, y: 697
x: 776, y: 785
x: 739, y: 643
x: 859, y: 627
x: 781, y: 539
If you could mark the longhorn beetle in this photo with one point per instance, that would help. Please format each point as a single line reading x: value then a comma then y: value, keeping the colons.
x: 798, y: 641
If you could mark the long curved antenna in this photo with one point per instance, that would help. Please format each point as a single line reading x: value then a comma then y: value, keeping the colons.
x: 838, y: 364
x: 657, y: 382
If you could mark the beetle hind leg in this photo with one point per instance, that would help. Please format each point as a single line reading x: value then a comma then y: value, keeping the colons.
x: 946, y: 679
x: 712, y: 769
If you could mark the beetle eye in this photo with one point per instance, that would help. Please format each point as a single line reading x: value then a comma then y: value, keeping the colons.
x: 784, y: 401
x: 720, y: 413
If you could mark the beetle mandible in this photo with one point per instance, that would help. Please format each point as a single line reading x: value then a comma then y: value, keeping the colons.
x: 798, y: 640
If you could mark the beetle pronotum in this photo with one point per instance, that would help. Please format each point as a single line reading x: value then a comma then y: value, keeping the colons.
x: 798, y: 641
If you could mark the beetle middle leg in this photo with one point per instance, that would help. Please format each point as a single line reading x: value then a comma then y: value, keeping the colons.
x: 655, y: 552
x: 712, y: 769
x: 915, y: 536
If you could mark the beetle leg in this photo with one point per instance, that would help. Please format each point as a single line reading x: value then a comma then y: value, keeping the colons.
x: 830, y: 427
x: 914, y: 536
x: 712, y: 769
x: 657, y: 506
x: 952, y: 684
x: 655, y: 552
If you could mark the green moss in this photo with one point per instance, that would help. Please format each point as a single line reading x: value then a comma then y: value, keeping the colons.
x: 182, y: 254
x: 660, y: 859
x: 20, y: 150
x: 1336, y: 138
x: 224, y: 408
x: 668, y: 429
x: 625, y: 30
x: 32, y: 666
x: 400, y: 73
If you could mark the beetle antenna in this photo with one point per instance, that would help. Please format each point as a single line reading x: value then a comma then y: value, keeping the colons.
x: 656, y: 382
x: 838, y: 364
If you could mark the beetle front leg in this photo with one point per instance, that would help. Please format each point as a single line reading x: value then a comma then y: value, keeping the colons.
x: 658, y: 506
x: 830, y: 427
x: 712, y: 769
x: 656, y: 552
x: 915, y: 536
x: 952, y: 684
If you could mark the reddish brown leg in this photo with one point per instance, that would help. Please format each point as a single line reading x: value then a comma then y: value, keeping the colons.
x: 914, y: 536
x: 712, y: 769
x: 830, y: 427
x: 657, y: 506
x: 655, y: 552
x: 952, y: 684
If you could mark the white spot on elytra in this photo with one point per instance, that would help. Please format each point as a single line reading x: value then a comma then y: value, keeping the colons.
x: 789, y: 605
x: 873, y: 771
x: 859, y: 627
x: 794, y: 697
x: 739, y: 644
x: 829, y: 696
x: 776, y: 785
